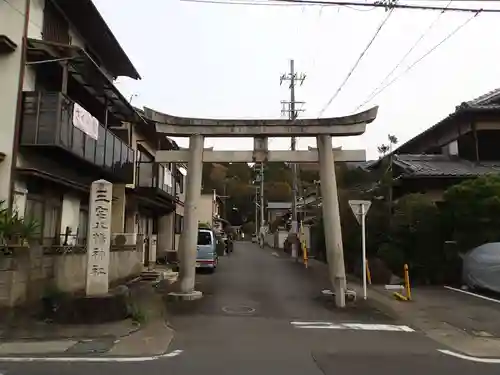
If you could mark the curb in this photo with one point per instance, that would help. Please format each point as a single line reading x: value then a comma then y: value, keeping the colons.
x: 88, y: 359
x: 441, y: 332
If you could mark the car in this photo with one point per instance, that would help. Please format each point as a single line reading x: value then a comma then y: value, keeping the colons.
x: 207, y: 257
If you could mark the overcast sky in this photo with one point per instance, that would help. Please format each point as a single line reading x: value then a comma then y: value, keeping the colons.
x: 209, y: 60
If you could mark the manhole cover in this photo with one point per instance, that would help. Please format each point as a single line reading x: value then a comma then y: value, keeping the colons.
x: 238, y: 310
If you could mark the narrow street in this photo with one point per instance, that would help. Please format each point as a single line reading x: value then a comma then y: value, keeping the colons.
x: 245, y: 325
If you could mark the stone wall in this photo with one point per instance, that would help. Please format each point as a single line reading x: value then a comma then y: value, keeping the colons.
x: 27, y: 274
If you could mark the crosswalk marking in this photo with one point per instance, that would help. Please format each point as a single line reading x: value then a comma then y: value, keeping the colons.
x: 351, y: 326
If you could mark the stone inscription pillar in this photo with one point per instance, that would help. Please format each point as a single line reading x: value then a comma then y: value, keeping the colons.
x: 99, y: 238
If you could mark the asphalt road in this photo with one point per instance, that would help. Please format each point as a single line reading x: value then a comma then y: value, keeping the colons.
x: 243, y: 325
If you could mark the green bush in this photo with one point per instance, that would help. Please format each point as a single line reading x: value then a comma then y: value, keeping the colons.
x: 471, y: 212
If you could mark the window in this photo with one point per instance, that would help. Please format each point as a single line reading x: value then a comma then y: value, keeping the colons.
x: 204, y: 238
x: 34, y: 212
x: 47, y: 214
x: 144, y: 156
x: 109, y: 150
x: 180, y: 182
x: 51, y: 221
x: 100, y: 146
x: 55, y: 27
x: 83, y: 225
x: 179, y: 223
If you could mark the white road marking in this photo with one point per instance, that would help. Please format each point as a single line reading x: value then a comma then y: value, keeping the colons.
x: 470, y: 358
x: 275, y: 254
x: 473, y: 294
x: 331, y: 326
x: 90, y: 359
x: 352, y: 326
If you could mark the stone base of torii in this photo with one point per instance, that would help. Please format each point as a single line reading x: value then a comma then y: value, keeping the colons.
x: 322, y: 129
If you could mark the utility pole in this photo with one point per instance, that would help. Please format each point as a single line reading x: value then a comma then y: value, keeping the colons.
x: 290, y: 109
x: 256, y: 213
x: 261, y: 194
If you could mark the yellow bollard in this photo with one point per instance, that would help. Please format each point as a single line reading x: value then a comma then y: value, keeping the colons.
x: 407, y: 286
x: 368, y: 274
x: 304, y: 251
x: 407, y: 282
x: 303, y: 244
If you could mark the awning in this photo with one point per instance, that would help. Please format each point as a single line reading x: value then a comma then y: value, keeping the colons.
x: 83, y: 68
x: 53, y: 178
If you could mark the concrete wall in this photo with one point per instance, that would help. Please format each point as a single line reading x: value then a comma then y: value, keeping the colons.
x: 206, y: 208
x: 70, y: 270
x: 165, y: 234
x: 27, y: 276
x: 11, y: 25
x: 276, y: 239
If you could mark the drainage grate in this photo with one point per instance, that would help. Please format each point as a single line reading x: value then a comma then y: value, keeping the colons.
x: 238, y: 310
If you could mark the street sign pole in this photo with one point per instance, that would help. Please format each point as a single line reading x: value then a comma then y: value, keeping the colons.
x: 363, y: 246
x: 360, y: 209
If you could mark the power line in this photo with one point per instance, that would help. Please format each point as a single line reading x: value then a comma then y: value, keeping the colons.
x: 238, y: 2
x: 270, y: 3
x: 421, y: 58
x: 357, y: 63
x: 385, y: 5
x: 412, y: 48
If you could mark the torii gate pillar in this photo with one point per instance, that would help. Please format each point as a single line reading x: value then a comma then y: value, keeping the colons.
x: 189, y: 235
x: 331, y: 218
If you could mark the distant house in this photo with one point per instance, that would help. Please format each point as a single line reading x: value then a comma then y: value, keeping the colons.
x: 209, y: 209
x: 277, y: 209
x: 463, y: 145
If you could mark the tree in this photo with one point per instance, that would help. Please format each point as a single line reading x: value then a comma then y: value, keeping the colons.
x: 217, y: 174
x: 387, y: 178
x: 383, y: 149
x: 240, y: 171
x: 415, y: 238
x: 278, y: 191
x: 471, y: 210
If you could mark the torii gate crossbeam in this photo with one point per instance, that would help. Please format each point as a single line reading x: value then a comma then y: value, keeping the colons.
x: 210, y: 156
x: 322, y: 129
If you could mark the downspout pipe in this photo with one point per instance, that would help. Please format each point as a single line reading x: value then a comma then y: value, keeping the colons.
x: 19, y: 106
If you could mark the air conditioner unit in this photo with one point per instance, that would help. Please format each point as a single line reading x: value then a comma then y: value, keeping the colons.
x: 124, y: 239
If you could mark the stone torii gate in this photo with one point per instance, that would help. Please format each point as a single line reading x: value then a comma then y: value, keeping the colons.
x: 323, y: 129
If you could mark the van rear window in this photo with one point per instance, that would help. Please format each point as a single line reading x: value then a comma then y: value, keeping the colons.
x: 204, y: 238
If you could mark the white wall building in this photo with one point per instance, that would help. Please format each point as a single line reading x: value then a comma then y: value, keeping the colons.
x: 73, y: 126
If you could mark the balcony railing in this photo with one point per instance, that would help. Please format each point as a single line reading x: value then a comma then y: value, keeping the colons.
x: 48, y: 121
x: 155, y: 176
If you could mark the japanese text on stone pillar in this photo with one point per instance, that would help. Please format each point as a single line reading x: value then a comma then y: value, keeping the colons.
x: 99, y: 238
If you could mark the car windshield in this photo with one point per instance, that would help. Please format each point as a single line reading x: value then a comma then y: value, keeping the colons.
x: 204, y: 238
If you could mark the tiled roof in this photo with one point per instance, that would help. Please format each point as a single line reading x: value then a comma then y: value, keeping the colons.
x: 359, y: 164
x: 443, y: 166
x: 487, y: 98
x: 484, y: 103
x: 279, y: 205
